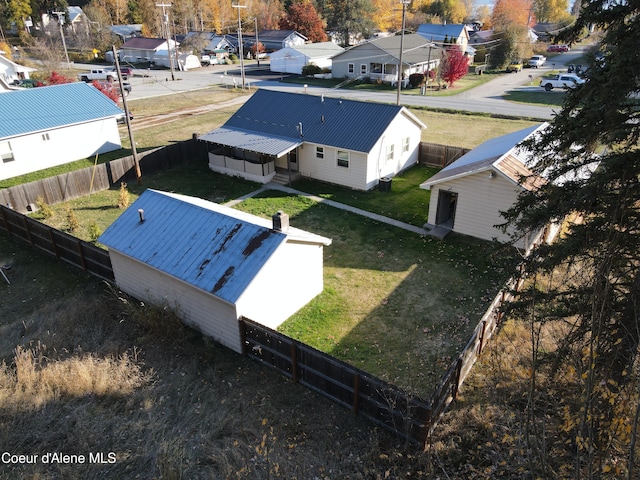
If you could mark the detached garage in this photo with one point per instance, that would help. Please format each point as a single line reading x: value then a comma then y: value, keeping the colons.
x: 212, y: 264
x: 293, y: 59
x: 468, y: 195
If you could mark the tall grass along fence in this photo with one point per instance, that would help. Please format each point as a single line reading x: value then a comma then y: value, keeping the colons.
x: 63, y: 246
x: 435, y: 155
x: 68, y: 186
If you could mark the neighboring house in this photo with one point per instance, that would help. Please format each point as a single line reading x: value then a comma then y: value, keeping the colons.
x: 340, y: 141
x: 378, y: 59
x: 47, y: 126
x: 468, y: 195
x: 141, y: 49
x: 481, y: 37
x: 76, y: 20
x: 451, y: 33
x: 11, y: 71
x: 212, y: 264
x: 276, y: 39
x: 125, y: 32
x: 292, y: 59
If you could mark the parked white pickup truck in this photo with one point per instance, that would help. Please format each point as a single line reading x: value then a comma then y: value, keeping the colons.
x: 99, y: 74
x: 537, y: 61
x: 563, y: 80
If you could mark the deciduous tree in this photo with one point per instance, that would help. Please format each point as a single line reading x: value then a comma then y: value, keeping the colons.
x: 350, y: 17
x: 454, y: 65
x: 303, y: 18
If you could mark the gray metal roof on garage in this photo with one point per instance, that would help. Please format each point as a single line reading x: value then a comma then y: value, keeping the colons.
x: 348, y: 124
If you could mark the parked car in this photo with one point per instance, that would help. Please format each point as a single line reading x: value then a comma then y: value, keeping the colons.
x: 515, y: 66
x: 536, y: 61
x: 558, y: 48
x: 563, y: 80
x: 126, y: 72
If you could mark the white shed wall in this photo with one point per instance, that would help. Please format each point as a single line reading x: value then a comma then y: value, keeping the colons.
x: 201, y: 310
x: 63, y: 145
x: 480, y: 201
x: 287, y: 60
x: 296, y: 269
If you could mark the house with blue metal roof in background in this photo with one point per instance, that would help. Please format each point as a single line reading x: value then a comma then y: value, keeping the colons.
x: 213, y: 264
x: 340, y: 141
x: 48, y: 126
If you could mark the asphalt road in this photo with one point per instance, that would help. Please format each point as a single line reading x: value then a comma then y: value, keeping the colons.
x: 484, y: 98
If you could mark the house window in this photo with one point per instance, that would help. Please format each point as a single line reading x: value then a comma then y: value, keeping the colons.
x: 45, y: 137
x: 405, y: 144
x: 319, y: 152
x: 390, y: 69
x: 343, y: 159
x: 390, y: 149
x: 363, y: 69
x: 376, y: 68
x: 6, y: 153
x: 350, y: 68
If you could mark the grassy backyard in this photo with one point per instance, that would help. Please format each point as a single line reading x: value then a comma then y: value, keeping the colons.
x: 395, y: 304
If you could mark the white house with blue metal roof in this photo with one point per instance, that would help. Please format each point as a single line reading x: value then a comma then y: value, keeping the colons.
x: 345, y: 142
x: 213, y: 264
x: 47, y: 126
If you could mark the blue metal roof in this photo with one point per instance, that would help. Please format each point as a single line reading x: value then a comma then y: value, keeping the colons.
x: 335, y: 122
x: 212, y: 247
x: 45, y: 108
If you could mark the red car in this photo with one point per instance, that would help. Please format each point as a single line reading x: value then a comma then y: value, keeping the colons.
x: 558, y: 48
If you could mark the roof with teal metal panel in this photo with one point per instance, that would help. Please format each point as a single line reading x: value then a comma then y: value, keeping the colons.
x: 215, y: 248
x: 55, y: 106
x: 348, y: 124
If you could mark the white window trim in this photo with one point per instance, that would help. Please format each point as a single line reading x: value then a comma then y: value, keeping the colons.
x: 363, y: 69
x: 351, y: 68
x: 338, y: 159
x: 406, y: 142
x: 319, y: 152
x: 391, y: 152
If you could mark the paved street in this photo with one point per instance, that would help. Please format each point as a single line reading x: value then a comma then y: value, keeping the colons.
x: 484, y: 98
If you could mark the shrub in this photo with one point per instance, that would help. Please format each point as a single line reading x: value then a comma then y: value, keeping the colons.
x: 417, y: 79
x: 123, y: 196
x: 94, y: 231
x: 311, y: 69
x: 45, y: 210
x: 72, y: 221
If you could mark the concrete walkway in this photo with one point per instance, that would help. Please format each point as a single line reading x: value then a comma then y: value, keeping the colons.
x: 342, y: 206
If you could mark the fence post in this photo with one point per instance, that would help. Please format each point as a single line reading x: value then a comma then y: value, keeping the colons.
x: 356, y: 392
x: 454, y: 394
x: 499, y: 319
x: 26, y: 228
x: 482, y: 331
x: 4, y: 217
x: 81, y: 252
x: 294, y: 362
x: 54, y: 246
x: 243, y: 335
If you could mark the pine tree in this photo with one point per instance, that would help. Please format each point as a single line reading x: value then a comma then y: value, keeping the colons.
x: 590, y: 158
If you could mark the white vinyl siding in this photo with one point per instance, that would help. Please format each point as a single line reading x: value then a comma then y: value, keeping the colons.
x: 196, y: 308
x: 480, y: 201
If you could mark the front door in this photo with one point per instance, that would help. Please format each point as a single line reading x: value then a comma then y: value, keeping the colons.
x: 293, y: 160
x: 446, y: 213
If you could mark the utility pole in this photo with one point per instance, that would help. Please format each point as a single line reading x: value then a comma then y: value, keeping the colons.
x: 257, y: 42
x: 64, y: 43
x: 240, y: 50
x: 404, y: 9
x: 134, y: 152
x: 165, y: 19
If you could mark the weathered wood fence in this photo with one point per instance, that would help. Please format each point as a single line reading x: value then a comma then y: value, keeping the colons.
x: 63, y: 246
x: 79, y: 183
x: 408, y: 416
x: 435, y: 155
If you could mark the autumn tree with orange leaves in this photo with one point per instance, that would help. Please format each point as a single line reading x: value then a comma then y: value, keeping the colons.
x: 303, y: 18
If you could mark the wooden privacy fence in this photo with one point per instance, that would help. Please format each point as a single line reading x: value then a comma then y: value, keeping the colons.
x: 79, y: 183
x: 384, y: 404
x: 63, y: 246
x: 435, y: 155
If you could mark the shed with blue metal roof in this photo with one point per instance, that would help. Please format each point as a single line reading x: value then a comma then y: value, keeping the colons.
x: 213, y: 264
x: 341, y: 141
x: 49, y: 126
